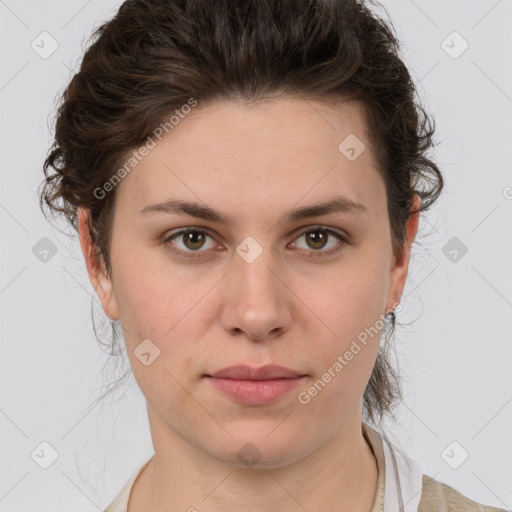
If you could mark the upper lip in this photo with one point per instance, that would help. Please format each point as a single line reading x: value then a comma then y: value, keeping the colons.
x: 246, y: 372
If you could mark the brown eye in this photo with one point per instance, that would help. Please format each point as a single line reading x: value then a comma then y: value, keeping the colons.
x: 193, y: 239
x: 319, y: 240
x: 316, y: 239
x: 190, y: 240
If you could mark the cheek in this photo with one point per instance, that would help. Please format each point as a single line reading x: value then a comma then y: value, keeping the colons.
x: 352, y: 299
x: 151, y: 295
x: 172, y: 308
x: 350, y: 311
x: 164, y: 309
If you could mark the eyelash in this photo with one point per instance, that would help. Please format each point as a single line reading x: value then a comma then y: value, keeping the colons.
x: 328, y: 252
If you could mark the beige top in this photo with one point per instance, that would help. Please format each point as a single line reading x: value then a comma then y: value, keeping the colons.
x: 435, y: 496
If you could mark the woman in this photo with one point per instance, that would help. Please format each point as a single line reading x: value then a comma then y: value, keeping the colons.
x: 246, y: 179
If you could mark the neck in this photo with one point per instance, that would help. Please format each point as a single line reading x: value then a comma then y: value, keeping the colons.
x: 339, y: 475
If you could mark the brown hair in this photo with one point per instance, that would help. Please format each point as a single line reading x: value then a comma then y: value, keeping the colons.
x: 154, y: 55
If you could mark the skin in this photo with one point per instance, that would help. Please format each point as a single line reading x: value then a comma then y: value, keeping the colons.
x: 292, y: 306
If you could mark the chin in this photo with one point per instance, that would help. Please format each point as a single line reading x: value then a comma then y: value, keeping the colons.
x: 256, y: 446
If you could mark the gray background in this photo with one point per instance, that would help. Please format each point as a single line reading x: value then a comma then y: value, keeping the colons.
x: 455, y: 352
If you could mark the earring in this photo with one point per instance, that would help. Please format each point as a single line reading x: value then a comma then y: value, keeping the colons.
x: 390, y: 315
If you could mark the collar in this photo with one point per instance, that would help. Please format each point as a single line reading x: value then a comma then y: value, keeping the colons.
x: 403, y: 480
x: 400, y: 480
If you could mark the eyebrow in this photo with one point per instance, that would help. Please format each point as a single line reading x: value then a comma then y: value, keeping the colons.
x: 174, y: 206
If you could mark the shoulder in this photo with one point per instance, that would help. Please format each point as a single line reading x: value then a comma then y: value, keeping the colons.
x: 439, y: 497
x: 120, y: 502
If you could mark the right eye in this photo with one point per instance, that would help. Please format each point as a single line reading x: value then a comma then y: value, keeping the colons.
x: 192, y: 240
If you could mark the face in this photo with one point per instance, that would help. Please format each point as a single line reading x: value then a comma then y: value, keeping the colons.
x: 258, y: 285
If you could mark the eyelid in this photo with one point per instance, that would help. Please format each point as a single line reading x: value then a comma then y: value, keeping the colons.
x: 189, y: 229
x: 343, y: 239
x: 340, y: 234
x: 311, y: 227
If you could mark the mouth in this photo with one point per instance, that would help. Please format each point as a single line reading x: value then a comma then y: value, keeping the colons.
x: 255, y: 386
x: 246, y: 372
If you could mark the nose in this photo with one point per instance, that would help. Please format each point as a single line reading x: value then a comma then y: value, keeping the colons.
x: 257, y: 300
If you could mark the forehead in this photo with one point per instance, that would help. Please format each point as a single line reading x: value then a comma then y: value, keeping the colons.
x: 258, y: 155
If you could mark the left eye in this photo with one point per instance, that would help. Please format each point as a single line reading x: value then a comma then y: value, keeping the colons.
x: 193, y: 240
x: 316, y: 238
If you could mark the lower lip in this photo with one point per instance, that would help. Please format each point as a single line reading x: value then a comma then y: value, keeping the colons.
x: 255, y: 392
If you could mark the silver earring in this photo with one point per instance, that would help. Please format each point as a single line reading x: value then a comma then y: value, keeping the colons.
x: 390, y: 315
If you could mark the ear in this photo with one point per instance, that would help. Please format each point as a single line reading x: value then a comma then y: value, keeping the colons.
x: 95, y: 266
x: 400, y: 267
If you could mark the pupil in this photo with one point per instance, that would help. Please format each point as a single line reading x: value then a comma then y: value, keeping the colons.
x: 315, y: 239
x: 190, y: 237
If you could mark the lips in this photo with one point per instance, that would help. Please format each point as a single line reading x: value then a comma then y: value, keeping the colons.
x: 245, y: 372
x: 255, y: 386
